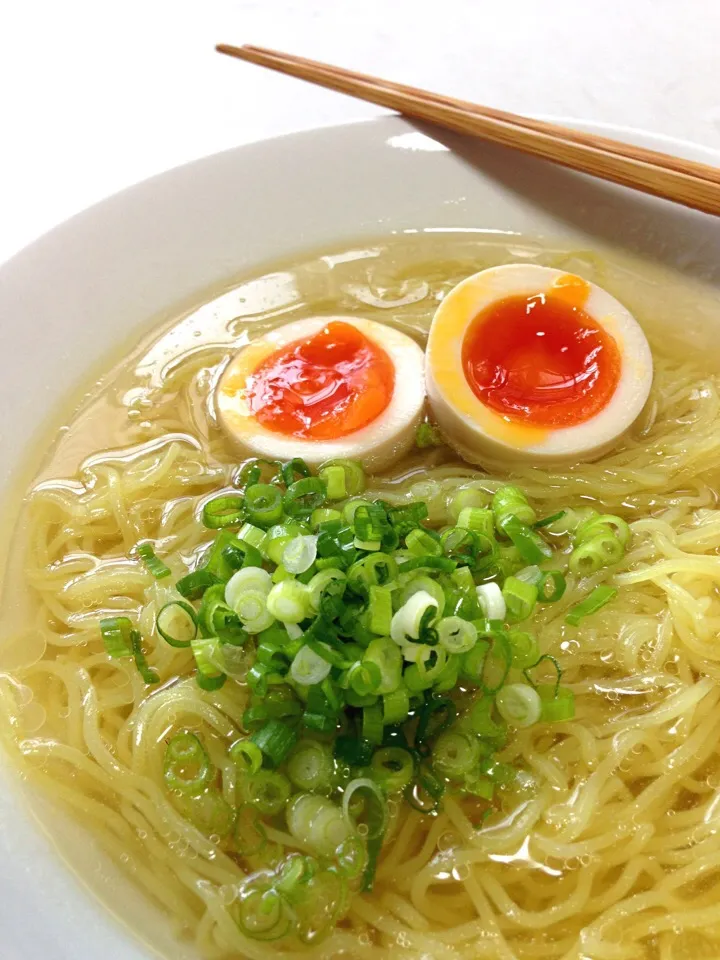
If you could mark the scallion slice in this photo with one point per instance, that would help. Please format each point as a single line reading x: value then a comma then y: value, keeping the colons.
x: 311, y: 766
x: 455, y: 753
x: 116, y: 633
x: 308, y: 668
x: 304, y: 496
x: 288, y: 602
x: 456, y: 635
x: 276, y: 739
x: 153, y: 564
x: 226, y: 511
x: 264, y: 504
x: 177, y: 623
x: 246, y: 755
x: 519, y: 704
x: 591, y: 604
x: 187, y: 768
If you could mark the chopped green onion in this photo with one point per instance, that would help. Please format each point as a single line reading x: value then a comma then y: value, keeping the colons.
x: 422, y: 543
x: 352, y: 857
x: 386, y: 656
x: 334, y: 478
x: 520, y: 598
x: 448, y: 677
x: 186, y: 766
x: 519, y: 704
x: 210, y: 683
x: 322, y: 707
x: 420, y: 611
x: 603, y: 523
x: 481, y: 718
x: 372, y: 723
x: 146, y: 672
x: 269, y: 471
x: 380, y: 610
x: 492, y: 601
x: 396, y: 706
x: 479, y: 786
x: 376, y: 569
x: 317, y: 823
x: 227, y: 511
x: 510, y: 502
x: 375, y: 816
x: 441, y: 564
x: 247, y: 593
x: 264, y: 504
x: 324, y: 515
x: 229, y: 554
x: 311, y: 766
x: 558, y: 703
x: 206, y: 651
x: 427, y: 435
x: 548, y: 521
x: 253, y: 535
x: 552, y: 586
x: 217, y: 619
x: 591, y: 604
x: 417, y: 583
x: 246, y: 755
x: 299, y: 554
x: 353, y: 750
x: 319, y: 587
x: 177, y: 623
x: 116, y: 633
x: 194, y: 585
x: 467, y: 496
x: 545, y: 658
x: 530, y: 545
x: 278, y: 537
x: 308, y: 668
x: 524, y: 649
x: 393, y: 768
x: 276, y: 739
x: 477, y: 519
x: 364, y: 677
x: 425, y: 794
x: 592, y: 555
x: 456, y: 635
x: 532, y: 574
x: 304, y: 496
x: 288, y: 602
x: 153, y: 564
x: 354, y: 476
x: 407, y: 518
x: 435, y: 715
x: 455, y: 754
x: 294, y: 470
x: 266, y: 790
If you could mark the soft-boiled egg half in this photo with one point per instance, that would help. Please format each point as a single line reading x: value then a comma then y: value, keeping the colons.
x: 529, y: 362
x: 323, y: 388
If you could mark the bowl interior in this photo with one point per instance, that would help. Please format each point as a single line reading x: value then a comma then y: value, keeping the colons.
x: 100, y: 280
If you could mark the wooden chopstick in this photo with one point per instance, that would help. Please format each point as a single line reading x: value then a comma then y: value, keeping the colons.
x: 694, y: 185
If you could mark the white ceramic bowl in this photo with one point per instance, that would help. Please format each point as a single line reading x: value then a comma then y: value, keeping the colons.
x: 70, y: 300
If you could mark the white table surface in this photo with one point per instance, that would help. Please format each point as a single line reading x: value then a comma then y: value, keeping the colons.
x: 95, y: 96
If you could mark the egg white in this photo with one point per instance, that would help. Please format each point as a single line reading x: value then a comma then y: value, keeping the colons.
x: 477, y: 431
x: 376, y: 446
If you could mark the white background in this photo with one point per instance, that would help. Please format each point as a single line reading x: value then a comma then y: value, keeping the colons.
x: 96, y: 95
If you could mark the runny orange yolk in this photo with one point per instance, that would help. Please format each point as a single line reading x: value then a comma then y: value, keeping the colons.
x: 324, y: 387
x: 541, y: 360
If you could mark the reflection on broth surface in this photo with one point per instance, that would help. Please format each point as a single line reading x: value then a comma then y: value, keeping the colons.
x: 601, y: 841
